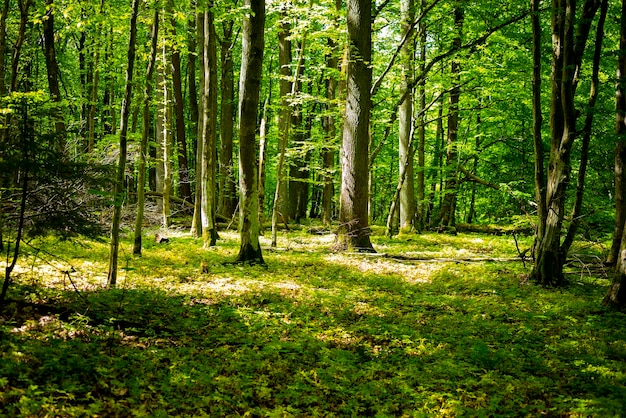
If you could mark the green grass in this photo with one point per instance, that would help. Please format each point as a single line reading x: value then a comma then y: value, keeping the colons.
x: 315, y: 333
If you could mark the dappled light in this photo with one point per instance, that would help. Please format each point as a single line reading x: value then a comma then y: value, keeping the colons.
x: 312, y: 331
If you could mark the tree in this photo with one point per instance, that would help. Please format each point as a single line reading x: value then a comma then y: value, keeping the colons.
x: 145, y: 132
x: 121, y: 167
x: 252, y: 48
x: 616, y: 294
x: 405, y: 121
x: 354, y: 231
x: 569, y: 42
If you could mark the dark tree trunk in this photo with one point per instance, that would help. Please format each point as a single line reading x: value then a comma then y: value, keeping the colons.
x: 227, y: 181
x: 184, y: 185
x: 620, y: 147
x: 354, y: 231
x: 253, y: 46
x: 446, y: 217
x: 568, y: 48
x: 616, y: 294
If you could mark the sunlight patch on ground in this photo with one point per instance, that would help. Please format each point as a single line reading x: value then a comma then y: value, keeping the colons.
x: 414, y: 273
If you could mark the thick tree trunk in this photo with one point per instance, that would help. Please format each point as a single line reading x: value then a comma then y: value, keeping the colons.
x: 354, y: 231
x: 405, y: 121
x: 145, y: 131
x: 253, y: 46
x: 121, y: 168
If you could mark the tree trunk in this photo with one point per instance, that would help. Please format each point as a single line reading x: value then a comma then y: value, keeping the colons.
x: 567, y: 58
x: 422, y: 205
x: 249, y: 86
x: 446, y: 216
x: 263, y: 128
x: 539, y: 177
x: 227, y: 182
x: 52, y: 68
x: 586, y: 133
x: 405, y: 122
x: 616, y: 294
x: 184, y: 185
x: 354, y: 231
x: 209, y: 131
x: 121, y: 168
x: 3, y: 45
x: 620, y: 147
x: 196, y: 223
x: 145, y: 131
x: 166, y: 135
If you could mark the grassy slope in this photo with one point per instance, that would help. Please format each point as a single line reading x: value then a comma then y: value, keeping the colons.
x: 313, y: 334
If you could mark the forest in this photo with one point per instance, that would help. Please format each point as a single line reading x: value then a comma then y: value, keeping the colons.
x: 313, y: 208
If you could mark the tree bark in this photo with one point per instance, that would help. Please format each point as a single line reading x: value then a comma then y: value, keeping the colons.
x: 145, y: 131
x: 196, y: 223
x: 568, y: 46
x: 354, y: 231
x: 422, y: 204
x: 405, y: 122
x: 616, y: 294
x: 280, y: 205
x: 446, y: 216
x: 620, y: 147
x: 184, y: 184
x: 121, y: 168
x: 227, y: 180
x: 209, y: 131
x: 52, y: 68
x: 253, y: 45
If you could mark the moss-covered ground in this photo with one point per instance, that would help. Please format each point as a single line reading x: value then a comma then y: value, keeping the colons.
x: 313, y: 333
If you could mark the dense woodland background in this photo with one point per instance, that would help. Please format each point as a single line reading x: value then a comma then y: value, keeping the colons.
x: 437, y: 187
x: 414, y: 114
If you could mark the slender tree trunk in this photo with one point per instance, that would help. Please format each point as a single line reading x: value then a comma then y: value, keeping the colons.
x: 52, y: 68
x: 252, y: 49
x: 263, y: 129
x: 166, y: 136
x: 192, y: 46
x: 405, y: 122
x: 540, y: 180
x: 586, y: 134
x: 354, y: 231
x: 446, y: 217
x: 209, y: 136
x: 145, y: 132
x: 280, y: 205
x: 421, y: 131
x: 196, y: 224
x: 184, y: 184
x: 3, y: 45
x: 24, y: 6
x: 121, y: 168
x: 227, y: 180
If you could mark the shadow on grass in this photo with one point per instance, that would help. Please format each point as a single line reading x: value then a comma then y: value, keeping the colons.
x: 339, y: 340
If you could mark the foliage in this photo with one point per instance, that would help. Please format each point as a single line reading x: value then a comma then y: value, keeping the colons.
x: 313, y: 334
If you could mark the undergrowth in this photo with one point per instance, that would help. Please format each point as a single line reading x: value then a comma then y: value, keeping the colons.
x: 313, y: 333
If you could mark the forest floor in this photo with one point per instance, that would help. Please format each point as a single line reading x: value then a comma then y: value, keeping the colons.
x: 432, y: 325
